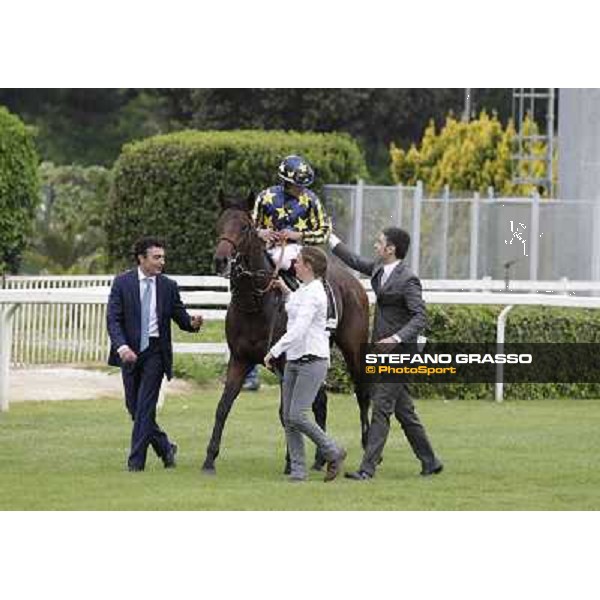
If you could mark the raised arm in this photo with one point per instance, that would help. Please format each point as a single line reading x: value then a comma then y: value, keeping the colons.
x: 354, y: 261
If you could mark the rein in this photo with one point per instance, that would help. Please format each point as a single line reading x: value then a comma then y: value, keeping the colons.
x: 277, y: 268
x: 251, y: 301
x: 253, y: 274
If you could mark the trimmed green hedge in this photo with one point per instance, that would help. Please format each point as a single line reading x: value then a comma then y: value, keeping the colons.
x: 168, y: 185
x: 18, y: 189
x: 477, y: 324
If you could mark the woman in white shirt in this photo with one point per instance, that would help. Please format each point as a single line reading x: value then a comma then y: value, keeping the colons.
x: 306, y: 344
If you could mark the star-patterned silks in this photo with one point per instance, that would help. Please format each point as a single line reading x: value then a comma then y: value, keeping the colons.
x: 268, y: 197
x: 275, y: 209
x: 301, y: 224
x: 304, y: 200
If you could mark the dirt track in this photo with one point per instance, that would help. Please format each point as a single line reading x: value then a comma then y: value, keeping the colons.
x: 74, y: 384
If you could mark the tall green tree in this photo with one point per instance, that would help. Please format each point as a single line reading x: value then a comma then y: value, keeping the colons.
x: 375, y: 117
x: 69, y: 235
x: 85, y: 126
x: 89, y: 126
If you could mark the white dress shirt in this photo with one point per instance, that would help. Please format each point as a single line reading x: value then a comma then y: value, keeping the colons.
x: 387, y: 271
x: 153, y: 327
x: 307, y: 315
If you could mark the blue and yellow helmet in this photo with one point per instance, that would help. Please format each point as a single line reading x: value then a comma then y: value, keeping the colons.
x: 294, y: 169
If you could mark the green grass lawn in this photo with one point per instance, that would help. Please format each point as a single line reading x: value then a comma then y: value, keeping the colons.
x: 540, y: 455
x: 212, y: 331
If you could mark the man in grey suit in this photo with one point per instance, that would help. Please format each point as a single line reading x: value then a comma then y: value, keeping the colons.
x: 399, y: 317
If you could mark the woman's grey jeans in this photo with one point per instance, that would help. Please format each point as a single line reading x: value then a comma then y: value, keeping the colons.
x: 301, y: 382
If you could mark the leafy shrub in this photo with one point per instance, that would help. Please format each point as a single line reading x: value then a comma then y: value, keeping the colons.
x: 18, y: 189
x: 469, y: 156
x: 477, y: 324
x: 168, y: 185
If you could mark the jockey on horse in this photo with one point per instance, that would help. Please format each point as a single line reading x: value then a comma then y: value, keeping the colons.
x: 290, y: 215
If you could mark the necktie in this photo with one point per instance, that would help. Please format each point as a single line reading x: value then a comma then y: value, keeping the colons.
x: 146, y: 298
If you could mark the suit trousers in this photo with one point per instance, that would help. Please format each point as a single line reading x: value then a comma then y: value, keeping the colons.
x: 301, y: 381
x: 142, y: 382
x: 388, y: 399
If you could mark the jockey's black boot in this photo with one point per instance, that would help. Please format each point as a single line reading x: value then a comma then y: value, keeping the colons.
x: 289, y: 279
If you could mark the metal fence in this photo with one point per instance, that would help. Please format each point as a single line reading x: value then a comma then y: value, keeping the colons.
x: 71, y: 332
x: 63, y: 319
x: 58, y: 333
x: 473, y: 237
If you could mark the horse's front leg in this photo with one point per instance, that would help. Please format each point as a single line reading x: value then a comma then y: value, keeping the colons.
x: 236, y: 372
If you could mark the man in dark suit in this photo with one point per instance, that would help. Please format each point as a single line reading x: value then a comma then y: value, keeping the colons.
x: 399, y: 317
x: 141, y: 305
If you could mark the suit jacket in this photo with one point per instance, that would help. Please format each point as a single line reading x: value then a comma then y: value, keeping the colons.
x: 400, y: 306
x: 124, y: 316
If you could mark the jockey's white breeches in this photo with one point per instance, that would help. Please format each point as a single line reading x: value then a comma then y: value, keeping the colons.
x: 290, y: 253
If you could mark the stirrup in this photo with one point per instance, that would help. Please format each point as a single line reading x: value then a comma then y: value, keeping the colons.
x: 332, y: 315
x: 331, y: 325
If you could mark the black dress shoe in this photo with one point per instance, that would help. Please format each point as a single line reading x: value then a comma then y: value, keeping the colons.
x: 169, y: 460
x: 318, y: 465
x: 133, y: 469
x: 436, y: 469
x: 358, y: 475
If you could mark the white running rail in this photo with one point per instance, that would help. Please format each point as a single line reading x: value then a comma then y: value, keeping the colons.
x: 55, y: 319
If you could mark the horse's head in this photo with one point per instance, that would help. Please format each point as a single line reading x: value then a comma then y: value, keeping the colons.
x: 235, y: 231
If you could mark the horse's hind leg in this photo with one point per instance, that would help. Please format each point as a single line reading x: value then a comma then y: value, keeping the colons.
x: 362, y: 397
x: 352, y: 358
x: 236, y: 372
x: 287, y: 468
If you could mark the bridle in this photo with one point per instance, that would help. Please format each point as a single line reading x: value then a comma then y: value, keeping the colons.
x: 224, y: 238
x: 239, y: 270
x: 254, y: 302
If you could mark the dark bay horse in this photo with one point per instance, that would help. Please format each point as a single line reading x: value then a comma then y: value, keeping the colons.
x: 256, y: 317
